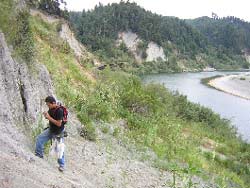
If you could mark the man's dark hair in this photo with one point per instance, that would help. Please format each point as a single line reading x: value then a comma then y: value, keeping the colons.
x: 50, y: 99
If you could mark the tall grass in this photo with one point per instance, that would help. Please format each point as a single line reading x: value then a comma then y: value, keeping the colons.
x: 7, y: 15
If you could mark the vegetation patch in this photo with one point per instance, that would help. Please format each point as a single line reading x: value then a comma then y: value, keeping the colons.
x: 15, y: 24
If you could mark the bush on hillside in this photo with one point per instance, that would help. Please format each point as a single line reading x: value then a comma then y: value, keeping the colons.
x: 22, y: 37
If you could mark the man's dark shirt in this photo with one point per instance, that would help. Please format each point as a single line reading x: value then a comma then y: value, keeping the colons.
x: 56, y: 114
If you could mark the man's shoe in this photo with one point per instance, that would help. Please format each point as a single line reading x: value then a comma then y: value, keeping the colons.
x: 61, y: 168
x: 38, y: 155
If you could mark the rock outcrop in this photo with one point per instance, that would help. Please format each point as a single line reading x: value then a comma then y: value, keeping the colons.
x: 68, y: 36
x: 21, y: 94
x: 131, y: 40
x: 22, y: 89
x: 155, y: 52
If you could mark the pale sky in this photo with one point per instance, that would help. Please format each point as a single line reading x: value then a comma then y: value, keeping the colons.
x: 179, y: 8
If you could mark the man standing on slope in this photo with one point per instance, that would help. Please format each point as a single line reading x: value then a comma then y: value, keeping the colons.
x: 56, y: 128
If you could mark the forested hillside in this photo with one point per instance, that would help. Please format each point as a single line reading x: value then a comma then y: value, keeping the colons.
x: 230, y: 34
x: 104, y: 22
x: 185, y: 46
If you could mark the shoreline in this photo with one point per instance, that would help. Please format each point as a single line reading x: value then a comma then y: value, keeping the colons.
x: 237, y: 85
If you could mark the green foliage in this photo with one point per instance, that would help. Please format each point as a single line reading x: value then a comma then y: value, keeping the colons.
x: 228, y: 37
x: 40, y: 126
x: 146, y: 109
x: 123, y: 47
x: 22, y: 38
x: 16, y: 27
x: 7, y: 15
x: 184, y: 174
x: 32, y: 3
x: 205, y: 81
x: 105, y: 129
x: 90, y: 132
x: 142, y: 47
x: 59, y: 26
x: 116, y: 132
x: 229, y: 33
x: 159, y: 66
x: 190, y: 111
x: 102, y: 102
x: 53, y: 7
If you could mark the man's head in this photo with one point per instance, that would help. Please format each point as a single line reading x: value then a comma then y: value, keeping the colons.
x: 51, y: 102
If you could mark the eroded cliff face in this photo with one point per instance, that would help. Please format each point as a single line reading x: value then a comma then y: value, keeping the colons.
x: 154, y: 51
x: 21, y: 97
x: 247, y: 55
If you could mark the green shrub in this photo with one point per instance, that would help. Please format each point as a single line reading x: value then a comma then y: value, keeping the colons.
x: 65, y: 48
x: 116, y: 132
x: 22, y: 37
x: 59, y: 26
x: 242, y: 78
x: 105, y: 129
x: 15, y: 24
x: 7, y: 16
x: 123, y: 47
x: 89, y: 132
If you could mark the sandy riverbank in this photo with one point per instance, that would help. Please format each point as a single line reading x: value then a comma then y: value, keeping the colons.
x: 238, y: 85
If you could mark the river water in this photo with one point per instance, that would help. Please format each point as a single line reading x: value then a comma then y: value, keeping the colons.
x: 228, y: 106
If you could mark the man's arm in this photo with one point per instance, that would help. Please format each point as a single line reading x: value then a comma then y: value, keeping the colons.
x: 56, y: 122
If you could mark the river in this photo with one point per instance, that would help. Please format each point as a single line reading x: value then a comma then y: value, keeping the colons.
x: 228, y: 106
